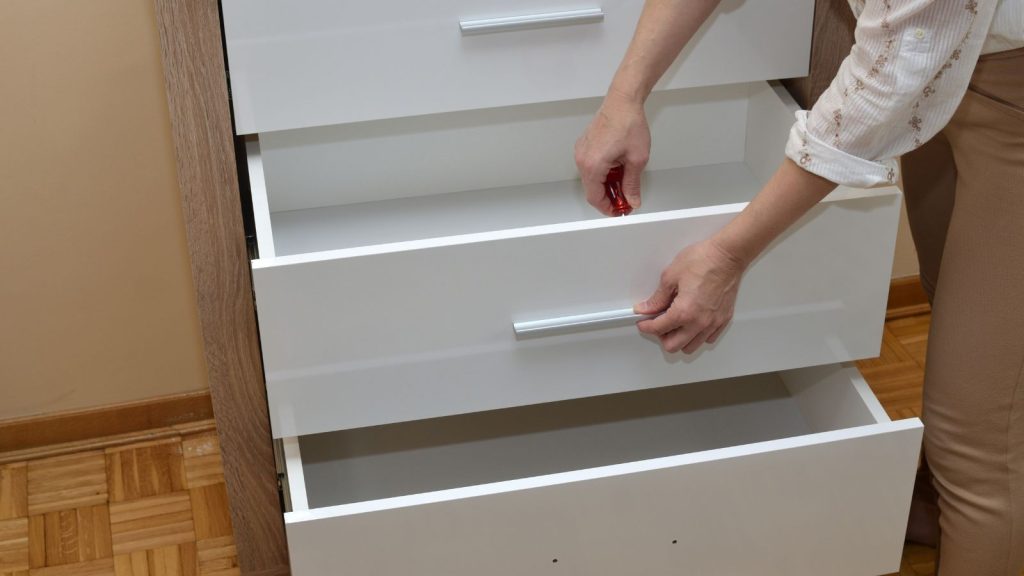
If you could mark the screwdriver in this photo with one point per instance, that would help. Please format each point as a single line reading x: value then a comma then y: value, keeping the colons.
x: 613, y: 191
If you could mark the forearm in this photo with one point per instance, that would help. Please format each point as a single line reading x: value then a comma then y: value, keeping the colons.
x: 664, y: 28
x: 790, y: 193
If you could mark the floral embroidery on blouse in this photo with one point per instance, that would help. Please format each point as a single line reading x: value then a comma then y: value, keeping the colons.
x: 930, y: 88
x: 858, y: 84
x: 900, y: 85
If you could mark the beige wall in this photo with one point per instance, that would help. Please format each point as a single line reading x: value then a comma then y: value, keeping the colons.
x: 96, y: 300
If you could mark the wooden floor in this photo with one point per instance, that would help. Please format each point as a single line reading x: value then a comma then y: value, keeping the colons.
x: 155, y: 508
x: 897, y: 375
x: 160, y: 508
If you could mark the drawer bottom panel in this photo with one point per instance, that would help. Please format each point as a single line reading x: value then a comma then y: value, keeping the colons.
x: 770, y: 474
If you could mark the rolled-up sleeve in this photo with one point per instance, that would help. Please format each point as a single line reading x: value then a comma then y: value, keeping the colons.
x: 902, y: 82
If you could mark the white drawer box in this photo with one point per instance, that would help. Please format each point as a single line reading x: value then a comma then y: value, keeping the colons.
x: 403, y: 308
x: 417, y: 209
x: 320, y: 62
x: 769, y: 474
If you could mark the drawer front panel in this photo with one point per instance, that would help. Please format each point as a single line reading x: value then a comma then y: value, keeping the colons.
x: 323, y: 62
x: 841, y: 505
x: 837, y: 498
x: 422, y: 329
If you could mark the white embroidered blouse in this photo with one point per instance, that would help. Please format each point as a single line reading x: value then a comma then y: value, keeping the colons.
x: 900, y: 85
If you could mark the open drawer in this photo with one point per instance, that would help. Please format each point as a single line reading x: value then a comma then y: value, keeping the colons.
x: 769, y: 474
x: 382, y: 299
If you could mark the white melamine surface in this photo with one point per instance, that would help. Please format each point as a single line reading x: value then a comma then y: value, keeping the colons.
x: 458, y: 451
x: 772, y: 474
x: 402, y: 309
x: 481, y: 149
x: 424, y: 217
x: 260, y: 198
x: 396, y: 332
x: 321, y: 62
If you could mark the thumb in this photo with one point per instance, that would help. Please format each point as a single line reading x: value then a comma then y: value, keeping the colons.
x: 658, y: 302
x: 631, y: 183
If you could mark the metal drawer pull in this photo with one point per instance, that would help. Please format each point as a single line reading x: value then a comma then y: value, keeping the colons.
x: 489, y: 25
x: 578, y: 323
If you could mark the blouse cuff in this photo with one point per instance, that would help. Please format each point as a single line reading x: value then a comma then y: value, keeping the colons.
x: 833, y: 164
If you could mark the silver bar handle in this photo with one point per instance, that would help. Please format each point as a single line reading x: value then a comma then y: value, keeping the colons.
x: 505, y: 24
x: 578, y: 323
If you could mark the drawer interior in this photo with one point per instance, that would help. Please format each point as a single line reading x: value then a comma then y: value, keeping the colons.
x: 371, y: 183
x: 410, y: 458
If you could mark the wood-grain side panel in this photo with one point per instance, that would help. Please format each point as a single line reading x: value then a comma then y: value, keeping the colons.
x: 190, y: 40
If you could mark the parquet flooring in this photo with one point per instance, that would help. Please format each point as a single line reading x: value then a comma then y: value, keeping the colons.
x: 160, y: 508
x: 156, y: 508
x: 897, y: 375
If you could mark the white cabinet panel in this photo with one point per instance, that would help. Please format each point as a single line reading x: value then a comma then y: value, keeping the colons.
x: 320, y: 62
x: 482, y: 149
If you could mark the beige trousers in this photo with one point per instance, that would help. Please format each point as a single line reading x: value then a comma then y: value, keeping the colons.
x: 965, y: 200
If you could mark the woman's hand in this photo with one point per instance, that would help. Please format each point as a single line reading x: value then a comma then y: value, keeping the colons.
x: 618, y: 134
x: 696, y: 298
x: 698, y: 289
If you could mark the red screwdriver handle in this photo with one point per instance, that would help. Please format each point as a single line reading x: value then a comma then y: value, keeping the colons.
x: 613, y: 191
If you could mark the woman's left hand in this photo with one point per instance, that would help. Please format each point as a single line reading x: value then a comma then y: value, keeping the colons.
x: 695, y: 298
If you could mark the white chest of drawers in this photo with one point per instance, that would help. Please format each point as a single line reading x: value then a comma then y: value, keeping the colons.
x: 416, y: 200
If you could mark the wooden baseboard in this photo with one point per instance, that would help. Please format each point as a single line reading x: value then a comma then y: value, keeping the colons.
x: 279, y: 571
x: 105, y: 442
x: 25, y: 434
x: 906, y: 298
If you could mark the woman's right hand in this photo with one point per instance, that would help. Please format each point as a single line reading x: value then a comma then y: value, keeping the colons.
x: 618, y: 135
